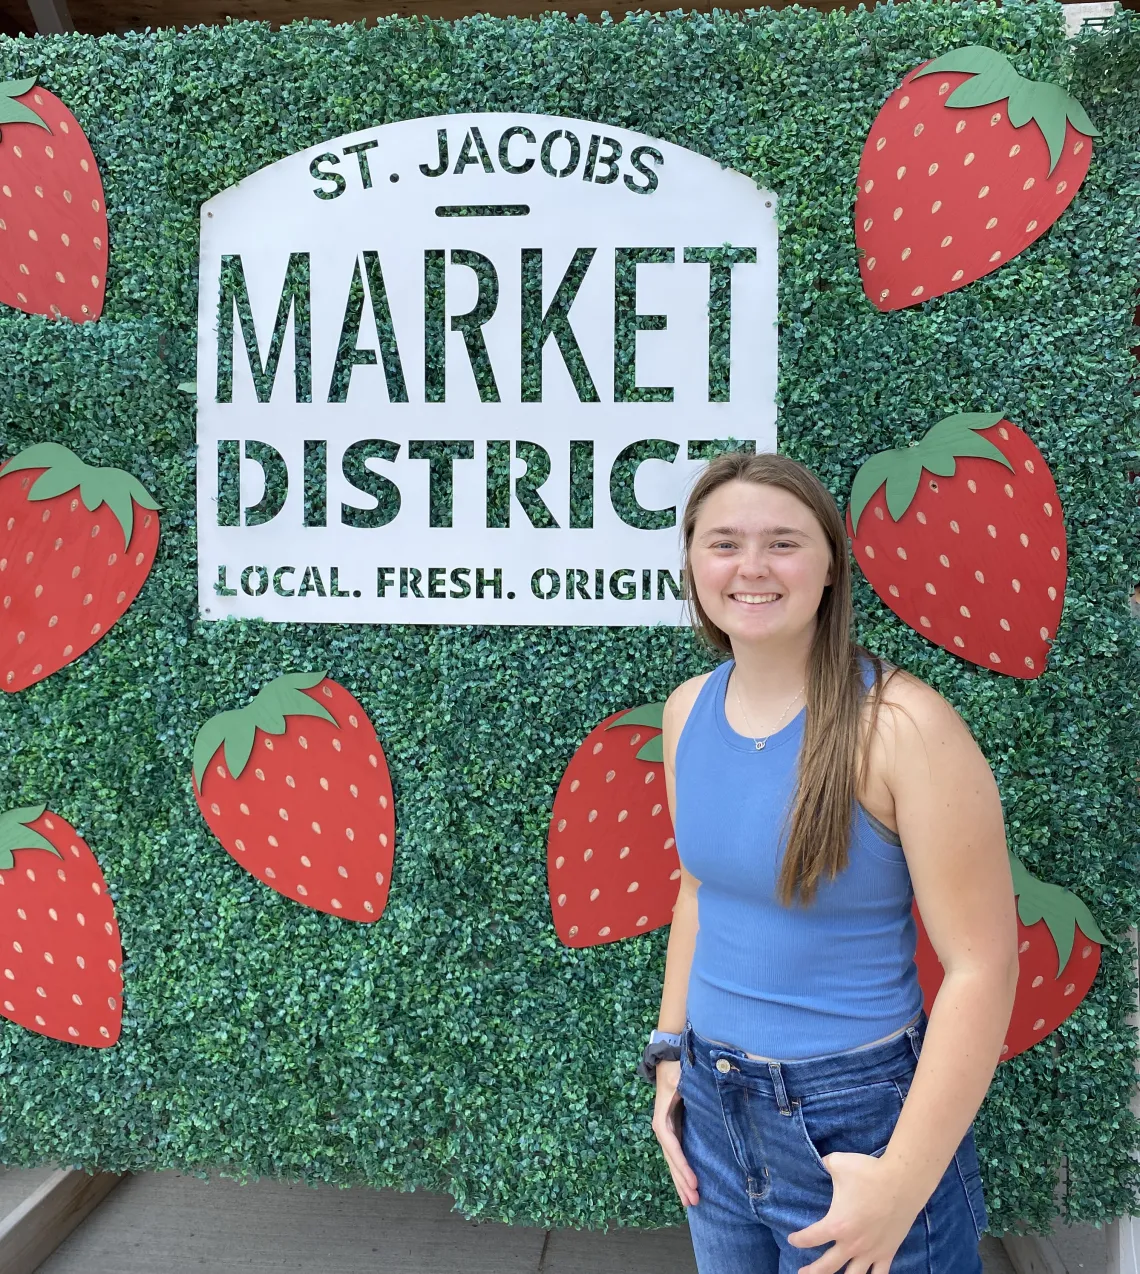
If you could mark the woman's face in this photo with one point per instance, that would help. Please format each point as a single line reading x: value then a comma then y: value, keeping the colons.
x: 759, y: 561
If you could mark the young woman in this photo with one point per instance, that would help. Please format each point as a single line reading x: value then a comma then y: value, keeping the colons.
x: 816, y: 1119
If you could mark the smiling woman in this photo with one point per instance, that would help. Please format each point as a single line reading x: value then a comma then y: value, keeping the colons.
x: 814, y: 1105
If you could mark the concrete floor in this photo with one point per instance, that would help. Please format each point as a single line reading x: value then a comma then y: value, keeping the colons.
x: 1083, y: 1248
x: 167, y: 1223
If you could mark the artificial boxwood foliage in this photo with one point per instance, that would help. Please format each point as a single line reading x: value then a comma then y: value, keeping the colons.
x: 456, y: 1045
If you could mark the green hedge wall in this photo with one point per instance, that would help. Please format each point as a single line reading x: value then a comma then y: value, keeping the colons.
x: 456, y: 1045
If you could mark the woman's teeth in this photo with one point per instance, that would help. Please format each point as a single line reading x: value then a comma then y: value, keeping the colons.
x: 756, y: 599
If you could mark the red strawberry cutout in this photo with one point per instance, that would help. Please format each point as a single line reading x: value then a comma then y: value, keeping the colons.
x: 1059, y: 953
x: 296, y: 787
x: 966, y: 164
x: 961, y: 535
x: 74, y: 553
x: 53, y: 221
x: 60, y: 953
x: 611, y: 858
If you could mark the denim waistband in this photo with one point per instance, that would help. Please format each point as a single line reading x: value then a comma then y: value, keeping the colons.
x: 888, y: 1060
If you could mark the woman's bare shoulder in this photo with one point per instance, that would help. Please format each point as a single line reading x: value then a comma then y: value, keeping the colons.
x: 686, y: 693
x: 912, y: 704
x: 678, y: 706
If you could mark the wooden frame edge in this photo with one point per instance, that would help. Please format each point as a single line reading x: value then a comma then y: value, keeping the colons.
x: 37, y: 1226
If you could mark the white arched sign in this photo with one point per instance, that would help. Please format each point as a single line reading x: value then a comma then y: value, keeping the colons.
x: 462, y: 369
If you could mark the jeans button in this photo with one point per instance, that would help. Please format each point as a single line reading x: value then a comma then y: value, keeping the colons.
x: 723, y: 1065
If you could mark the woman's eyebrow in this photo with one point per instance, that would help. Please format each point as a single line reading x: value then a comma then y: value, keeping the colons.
x: 767, y: 530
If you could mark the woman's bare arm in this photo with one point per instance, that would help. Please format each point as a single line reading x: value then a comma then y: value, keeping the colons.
x: 950, y: 821
x: 683, y: 928
x: 667, y: 1107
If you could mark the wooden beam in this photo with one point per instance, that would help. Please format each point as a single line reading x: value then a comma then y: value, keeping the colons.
x: 51, y: 17
x: 35, y: 1228
x: 101, y: 16
x: 15, y: 18
x: 97, y: 17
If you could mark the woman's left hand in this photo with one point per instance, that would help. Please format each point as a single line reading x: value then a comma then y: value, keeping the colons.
x: 871, y: 1213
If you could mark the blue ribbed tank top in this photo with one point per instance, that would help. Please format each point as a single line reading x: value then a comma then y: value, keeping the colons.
x: 784, y: 982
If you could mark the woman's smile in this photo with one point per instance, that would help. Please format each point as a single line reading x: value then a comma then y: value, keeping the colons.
x: 755, y: 600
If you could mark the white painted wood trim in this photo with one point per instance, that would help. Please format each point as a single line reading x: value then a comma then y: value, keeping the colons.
x: 1123, y: 1234
x: 1096, y: 14
x: 35, y: 1228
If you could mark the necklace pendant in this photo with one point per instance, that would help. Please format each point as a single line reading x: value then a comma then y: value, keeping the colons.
x: 760, y: 744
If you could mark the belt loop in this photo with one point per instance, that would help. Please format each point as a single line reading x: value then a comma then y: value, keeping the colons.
x: 778, y: 1084
x: 915, y: 1042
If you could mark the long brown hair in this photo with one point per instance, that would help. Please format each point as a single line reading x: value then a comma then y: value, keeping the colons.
x: 831, y: 771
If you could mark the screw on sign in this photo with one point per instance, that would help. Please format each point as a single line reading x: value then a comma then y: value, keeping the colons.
x: 961, y: 536
x: 296, y: 788
x: 76, y: 545
x: 60, y: 953
x: 966, y: 164
x: 1058, y: 945
x: 611, y: 857
x: 53, y: 221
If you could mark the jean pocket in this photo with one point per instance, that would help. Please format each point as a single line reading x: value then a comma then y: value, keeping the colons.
x: 853, y: 1120
x: 966, y: 1161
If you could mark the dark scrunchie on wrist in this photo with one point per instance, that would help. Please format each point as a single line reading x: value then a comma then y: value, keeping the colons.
x: 654, y: 1053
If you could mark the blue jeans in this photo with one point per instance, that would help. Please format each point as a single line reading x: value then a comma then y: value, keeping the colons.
x: 754, y: 1134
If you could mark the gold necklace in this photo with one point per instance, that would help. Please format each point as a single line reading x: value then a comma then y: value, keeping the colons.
x: 761, y: 742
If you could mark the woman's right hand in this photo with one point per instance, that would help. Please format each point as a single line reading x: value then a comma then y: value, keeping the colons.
x: 668, y: 1111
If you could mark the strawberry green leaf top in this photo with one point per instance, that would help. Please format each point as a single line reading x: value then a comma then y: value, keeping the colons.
x: 13, y: 112
x: 281, y: 698
x: 938, y: 452
x: 1039, y: 900
x: 994, y: 80
x: 16, y: 834
x: 64, y: 471
x: 648, y: 714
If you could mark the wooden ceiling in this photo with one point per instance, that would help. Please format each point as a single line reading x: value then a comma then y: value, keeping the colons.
x: 98, y: 17
x: 101, y: 16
